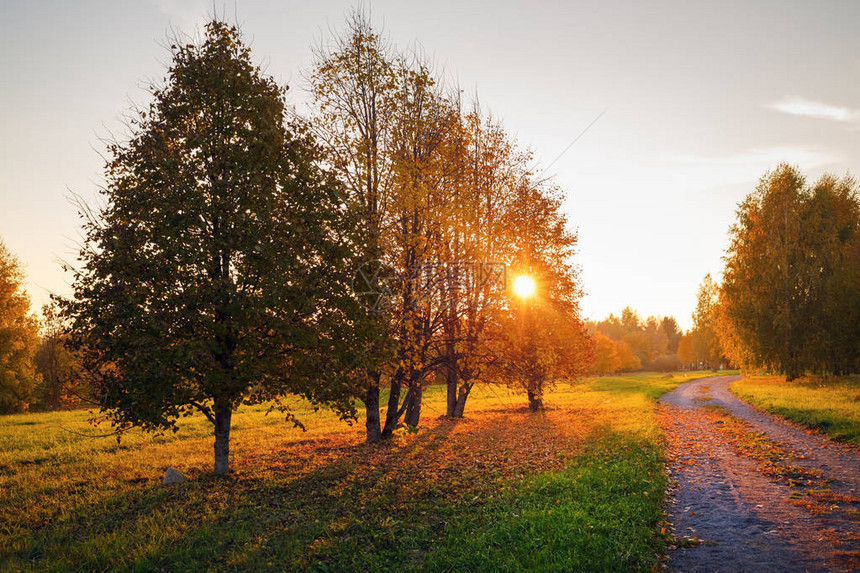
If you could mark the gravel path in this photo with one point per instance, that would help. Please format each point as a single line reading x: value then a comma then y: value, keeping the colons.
x: 746, y: 520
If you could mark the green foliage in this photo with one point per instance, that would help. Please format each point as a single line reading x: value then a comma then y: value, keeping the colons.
x: 791, y: 293
x: 19, y: 337
x: 214, y: 274
x: 704, y: 337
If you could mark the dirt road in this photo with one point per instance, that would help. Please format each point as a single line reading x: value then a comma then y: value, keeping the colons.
x: 754, y: 493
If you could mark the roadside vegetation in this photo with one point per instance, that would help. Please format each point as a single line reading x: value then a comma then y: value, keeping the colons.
x: 578, y: 485
x: 830, y: 405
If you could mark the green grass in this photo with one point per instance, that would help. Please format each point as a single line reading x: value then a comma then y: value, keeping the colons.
x: 828, y: 405
x: 600, y: 514
x: 577, y: 487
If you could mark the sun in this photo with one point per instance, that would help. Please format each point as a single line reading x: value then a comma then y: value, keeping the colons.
x: 524, y: 286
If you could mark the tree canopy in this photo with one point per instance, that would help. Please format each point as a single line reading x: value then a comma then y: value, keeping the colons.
x: 445, y: 198
x: 211, y: 276
x: 790, y: 298
x: 19, y: 337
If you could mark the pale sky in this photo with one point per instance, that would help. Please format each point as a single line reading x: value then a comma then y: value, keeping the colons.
x: 701, y: 98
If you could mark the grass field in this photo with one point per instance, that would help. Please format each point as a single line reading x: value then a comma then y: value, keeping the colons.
x: 829, y: 405
x: 577, y: 487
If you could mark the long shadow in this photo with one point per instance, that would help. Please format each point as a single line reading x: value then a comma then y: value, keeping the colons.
x: 319, y: 504
x: 201, y: 523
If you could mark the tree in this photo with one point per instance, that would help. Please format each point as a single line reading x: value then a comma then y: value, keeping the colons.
x: 213, y: 274
x: 652, y: 342
x: 673, y: 334
x: 61, y: 384
x: 353, y: 88
x: 19, y: 331
x: 704, y: 336
x: 606, y: 359
x: 791, y: 291
x: 480, y: 240
x: 541, y: 339
x: 629, y: 361
x: 421, y: 202
x: 686, y: 352
x: 440, y: 195
x: 665, y: 363
x: 831, y: 220
x: 537, y: 345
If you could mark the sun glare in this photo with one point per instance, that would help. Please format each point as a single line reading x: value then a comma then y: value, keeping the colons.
x: 524, y: 286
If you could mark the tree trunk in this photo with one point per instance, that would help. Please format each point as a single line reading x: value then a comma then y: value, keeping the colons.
x: 451, y: 379
x: 452, y: 368
x: 413, y: 406
x: 392, y: 415
x: 223, y: 414
x: 371, y: 409
x: 535, y: 401
x: 460, y: 406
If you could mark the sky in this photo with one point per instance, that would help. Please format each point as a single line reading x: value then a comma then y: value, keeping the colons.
x: 699, y: 100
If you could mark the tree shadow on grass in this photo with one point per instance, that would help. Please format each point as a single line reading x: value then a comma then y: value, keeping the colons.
x: 319, y: 504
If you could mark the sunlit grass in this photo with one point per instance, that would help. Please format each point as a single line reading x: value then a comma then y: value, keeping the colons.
x: 601, y: 513
x: 323, y: 499
x: 830, y: 405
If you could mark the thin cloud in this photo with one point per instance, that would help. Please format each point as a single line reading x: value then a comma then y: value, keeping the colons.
x: 794, y: 105
x: 704, y: 171
x: 187, y: 15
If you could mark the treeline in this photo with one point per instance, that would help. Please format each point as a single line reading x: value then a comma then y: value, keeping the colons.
x: 628, y: 343
x: 790, y: 297
x: 246, y: 253
x: 38, y: 372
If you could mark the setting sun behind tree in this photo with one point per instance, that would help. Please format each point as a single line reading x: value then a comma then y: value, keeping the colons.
x: 524, y: 286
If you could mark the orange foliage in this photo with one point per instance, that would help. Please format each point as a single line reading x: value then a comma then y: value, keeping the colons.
x: 606, y: 360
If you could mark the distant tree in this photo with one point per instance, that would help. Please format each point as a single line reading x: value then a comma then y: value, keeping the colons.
x: 640, y: 342
x: 213, y: 275
x: 19, y: 336
x: 669, y: 327
x: 658, y: 341
x: 685, y: 350
x: 646, y: 339
x: 629, y: 361
x: 666, y: 363
x: 611, y: 327
x: 641, y: 345
x: 61, y: 384
x: 606, y: 359
x: 705, y: 340
x: 630, y: 320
